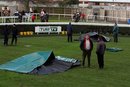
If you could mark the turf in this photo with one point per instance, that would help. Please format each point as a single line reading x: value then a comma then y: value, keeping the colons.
x: 115, y: 73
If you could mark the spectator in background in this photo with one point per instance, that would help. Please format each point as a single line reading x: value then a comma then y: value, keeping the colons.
x: 115, y: 32
x: 14, y: 35
x: 42, y: 15
x: 33, y: 17
x: 47, y: 17
x: 23, y: 13
x: 95, y: 15
x: 16, y: 13
x: 74, y: 17
x: 78, y: 14
x: 83, y: 17
x: 86, y: 46
x: 6, y: 12
x: 100, y: 51
x: 69, y: 32
x: 6, y: 34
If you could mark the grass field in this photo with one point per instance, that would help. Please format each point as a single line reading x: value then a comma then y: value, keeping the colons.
x: 115, y: 74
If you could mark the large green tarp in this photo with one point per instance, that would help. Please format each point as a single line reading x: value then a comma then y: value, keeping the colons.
x: 27, y: 63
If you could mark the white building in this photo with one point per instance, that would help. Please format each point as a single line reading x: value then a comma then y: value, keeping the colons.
x: 116, y: 9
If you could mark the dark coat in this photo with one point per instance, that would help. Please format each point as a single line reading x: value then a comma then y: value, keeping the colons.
x: 69, y: 29
x: 6, y: 31
x: 82, y: 45
x: 14, y: 31
x: 101, y: 47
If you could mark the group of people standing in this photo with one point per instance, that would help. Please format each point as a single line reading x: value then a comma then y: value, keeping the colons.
x: 6, y: 32
x: 86, y: 46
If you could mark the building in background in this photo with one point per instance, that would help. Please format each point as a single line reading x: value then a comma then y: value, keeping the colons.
x: 118, y: 10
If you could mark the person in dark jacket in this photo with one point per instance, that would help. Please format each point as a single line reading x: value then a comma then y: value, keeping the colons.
x: 115, y: 32
x: 100, y: 51
x: 6, y: 34
x: 86, y: 46
x: 69, y: 32
x: 14, y: 35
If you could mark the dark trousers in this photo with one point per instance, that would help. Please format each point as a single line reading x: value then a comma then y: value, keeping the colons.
x: 115, y: 38
x: 5, y: 40
x: 88, y: 54
x: 14, y: 38
x: 100, y: 60
x: 69, y: 37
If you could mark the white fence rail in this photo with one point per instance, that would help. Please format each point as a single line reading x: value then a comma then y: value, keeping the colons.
x: 106, y: 18
x: 93, y: 18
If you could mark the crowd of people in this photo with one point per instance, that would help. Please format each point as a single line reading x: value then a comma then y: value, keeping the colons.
x: 26, y: 16
x: 44, y: 15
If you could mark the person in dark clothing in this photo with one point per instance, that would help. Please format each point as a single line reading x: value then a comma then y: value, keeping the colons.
x: 100, y: 51
x: 20, y: 17
x: 47, y: 17
x: 86, y: 46
x: 115, y: 32
x: 78, y: 14
x: 69, y: 32
x: 14, y: 35
x: 6, y: 34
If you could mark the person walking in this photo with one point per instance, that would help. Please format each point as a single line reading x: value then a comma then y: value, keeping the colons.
x: 69, y: 32
x: 14, y: 35
x: 86, y: 46
x: 100, y: 51
x: 115, y: 32
x: 6, y: 34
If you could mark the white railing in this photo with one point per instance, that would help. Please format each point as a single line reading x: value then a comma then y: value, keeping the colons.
x: 55, y: 14
x: 10, y: 18
x: 93, y: 18
x: 27, y: 18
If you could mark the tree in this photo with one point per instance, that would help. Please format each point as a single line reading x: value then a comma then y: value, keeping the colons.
x: 26, y: 3
x: 68, y: 2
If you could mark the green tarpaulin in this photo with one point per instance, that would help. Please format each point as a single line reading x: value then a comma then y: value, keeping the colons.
x: 113, y: 49
x: 43, y: 62
x: 27, y: 63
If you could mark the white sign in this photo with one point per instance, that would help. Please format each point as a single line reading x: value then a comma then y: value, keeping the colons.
x: 48, y: 29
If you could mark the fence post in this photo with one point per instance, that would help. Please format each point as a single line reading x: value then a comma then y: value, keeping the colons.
x: 58, y: 16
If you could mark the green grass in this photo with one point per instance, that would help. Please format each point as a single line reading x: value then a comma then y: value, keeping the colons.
x: 115, y: 73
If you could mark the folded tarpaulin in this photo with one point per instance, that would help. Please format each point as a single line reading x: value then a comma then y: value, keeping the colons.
x: 113, y: 49
x: 43, y: 62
